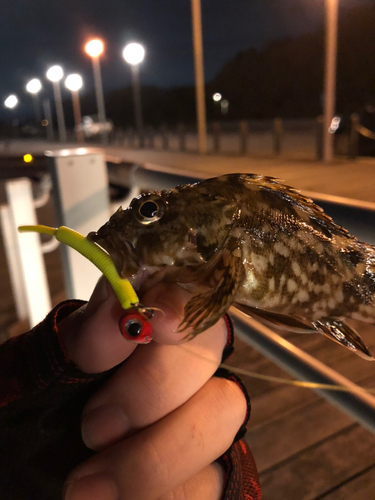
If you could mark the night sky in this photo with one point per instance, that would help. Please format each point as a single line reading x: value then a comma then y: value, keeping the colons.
x: 35, y: 34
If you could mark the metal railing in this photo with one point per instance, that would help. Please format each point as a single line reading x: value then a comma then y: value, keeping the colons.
x: 255, y: 137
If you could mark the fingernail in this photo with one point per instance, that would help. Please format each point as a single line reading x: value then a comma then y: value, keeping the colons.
x: 94, y: 487
x: 104, y: 426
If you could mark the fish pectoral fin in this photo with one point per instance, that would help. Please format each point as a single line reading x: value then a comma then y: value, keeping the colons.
x: 277, y: 320
x: 205, y: 309
x: 338, y: 331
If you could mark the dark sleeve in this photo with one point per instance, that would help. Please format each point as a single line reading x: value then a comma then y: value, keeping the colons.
x: 42, y: 395
x: 241, y: 475
x: 242, y: 480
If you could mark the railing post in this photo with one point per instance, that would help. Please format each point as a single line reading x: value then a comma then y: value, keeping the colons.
x: 353, y: 137
x: 216, y: 136
x: 31, y: 276
x: 164, y: 137
x: 319, y: 123
x: 244, y: 134
x: 118, y: 136
x: 150, y: 134
x: 181, y: 131
x: 277, y: 136
x: 17, y: 282
x: 130, y: 137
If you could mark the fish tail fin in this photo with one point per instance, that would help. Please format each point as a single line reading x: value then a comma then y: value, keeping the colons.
x: 335, y: 329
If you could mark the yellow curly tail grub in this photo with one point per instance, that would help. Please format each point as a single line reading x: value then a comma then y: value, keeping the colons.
x: 122, y: 288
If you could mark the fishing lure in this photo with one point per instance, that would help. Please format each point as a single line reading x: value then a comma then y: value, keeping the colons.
x: 248, y: 241
x: 134, y: 322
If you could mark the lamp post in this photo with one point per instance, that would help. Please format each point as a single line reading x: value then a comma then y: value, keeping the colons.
x: 134, y: 53
x: 199, y: 75
x: 74, y: 83
x: 54, y: 75
x: 10, y: 103
x: 33, y: 87
x: 48, y: 120
x: 94, y: 48
x: 330, y: 77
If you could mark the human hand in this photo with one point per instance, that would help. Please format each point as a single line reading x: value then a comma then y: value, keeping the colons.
x: 161, y: 420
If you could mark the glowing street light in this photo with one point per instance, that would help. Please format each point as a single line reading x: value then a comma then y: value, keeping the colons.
x: 217, y: 97
x: 134, y: 54
x: 33, y: 87
x: 74, y: 83
x: 94, y: 48
x: 55, y: 74
x: 11, y: 101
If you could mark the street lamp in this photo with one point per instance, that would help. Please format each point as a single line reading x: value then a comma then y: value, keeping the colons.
x: 11, y: 101
x: 55, y: 74
x: 134, y: 54
x: 199, y: 75
x: 224, y: 106
x: 74, y: 83
x: 33, y: 87
x: 94, y: 48
x: 330, y: 77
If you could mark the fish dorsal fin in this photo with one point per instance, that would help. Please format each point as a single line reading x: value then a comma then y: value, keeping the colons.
x: 277, y: 320
x: 338, y: 331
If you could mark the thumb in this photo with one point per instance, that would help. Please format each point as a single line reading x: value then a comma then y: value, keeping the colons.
x: 91, y: 334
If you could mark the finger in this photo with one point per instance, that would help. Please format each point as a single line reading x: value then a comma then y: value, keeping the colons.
x: 154, y: 381
x: 171, y: 300
x: 174, y: 449
x: 207, y: 484
x: 91, y: 335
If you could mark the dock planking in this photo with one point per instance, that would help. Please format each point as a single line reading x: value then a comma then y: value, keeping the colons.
x: 290, y: 424
x: 358, y: 486
x: 322, y: 466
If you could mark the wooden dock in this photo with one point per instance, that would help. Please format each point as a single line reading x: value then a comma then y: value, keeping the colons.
x: 304, y: 447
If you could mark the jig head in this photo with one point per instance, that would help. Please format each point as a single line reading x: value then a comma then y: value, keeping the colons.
x: 135, y: 326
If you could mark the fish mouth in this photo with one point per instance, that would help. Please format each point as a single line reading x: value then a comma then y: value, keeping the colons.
x: 122, y: 252
x: 147, y: 277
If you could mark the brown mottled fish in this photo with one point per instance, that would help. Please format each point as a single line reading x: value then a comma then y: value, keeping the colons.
x: 252, y: 242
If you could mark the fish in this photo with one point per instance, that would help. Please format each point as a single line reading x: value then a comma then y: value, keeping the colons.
x: 252, y: 242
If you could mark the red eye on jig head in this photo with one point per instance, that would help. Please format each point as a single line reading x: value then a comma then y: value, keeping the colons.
x: 135, y: 326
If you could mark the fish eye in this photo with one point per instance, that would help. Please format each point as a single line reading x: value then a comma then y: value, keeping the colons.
x: 149, y: 210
